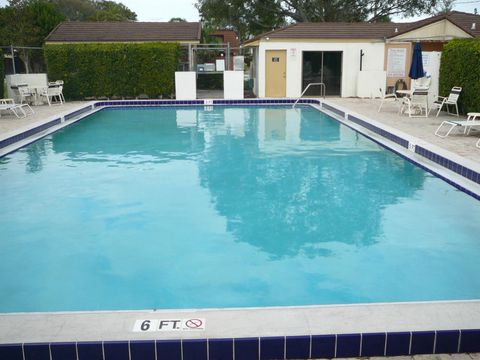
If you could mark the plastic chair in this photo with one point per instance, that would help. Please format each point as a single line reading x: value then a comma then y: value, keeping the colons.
x: 417, y: 104
x: 26, y: 94
x: 58, y: 83
x: 19, y: 110
x: 447, y: 126
x: 52, y: 92
x: 452, y: 99
x: 386, y: 97
x: 422, y: 83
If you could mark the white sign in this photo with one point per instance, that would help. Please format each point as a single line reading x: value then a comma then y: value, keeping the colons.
x: 396, y: 61
x: 152, y: 325
x: 238, y: 62
x: 425, y: 59
x: 220, y: 63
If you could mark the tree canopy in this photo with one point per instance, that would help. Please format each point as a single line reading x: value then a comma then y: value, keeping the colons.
x: 251, y: 17
x: 28, y: 22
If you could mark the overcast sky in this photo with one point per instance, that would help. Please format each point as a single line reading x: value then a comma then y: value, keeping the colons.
x: 164, y: 10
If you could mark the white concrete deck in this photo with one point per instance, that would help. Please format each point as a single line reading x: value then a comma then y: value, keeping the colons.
x: 9, y: 123
x: 421, y: 128
x: 248, y: 322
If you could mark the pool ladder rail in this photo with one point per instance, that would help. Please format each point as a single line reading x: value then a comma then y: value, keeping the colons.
x: 323, y: 90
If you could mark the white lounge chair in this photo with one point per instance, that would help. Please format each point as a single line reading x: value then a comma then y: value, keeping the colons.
x: 386, y: 97
x: 478, y: 144
x: 447, y: 126
x: 416, y: 105
x: 19, y: 110
x: 452, y: 99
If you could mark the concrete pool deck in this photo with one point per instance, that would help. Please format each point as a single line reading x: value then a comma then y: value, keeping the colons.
x: 421, y: 128
x: 262, y: 322
x: 9, y: 123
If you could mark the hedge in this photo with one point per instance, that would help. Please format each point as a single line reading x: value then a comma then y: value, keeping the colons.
x: 460, y: 66
x: 2, y: 73
x: 123, y: 70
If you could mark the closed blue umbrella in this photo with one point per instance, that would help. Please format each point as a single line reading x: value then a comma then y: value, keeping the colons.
x: 416, y: 69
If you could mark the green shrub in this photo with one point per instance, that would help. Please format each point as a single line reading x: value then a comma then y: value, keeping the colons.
x: 460, y: 66
x: 113, y: 69
x: 2, y: 73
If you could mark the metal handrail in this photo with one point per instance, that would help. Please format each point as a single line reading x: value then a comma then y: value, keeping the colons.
x: 322, y: 87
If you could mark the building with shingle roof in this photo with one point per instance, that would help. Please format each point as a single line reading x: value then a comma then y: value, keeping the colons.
x: 351, y: 59
x: 88, y: 32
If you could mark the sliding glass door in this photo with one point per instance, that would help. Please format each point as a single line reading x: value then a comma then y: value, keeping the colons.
x: 322, y: 66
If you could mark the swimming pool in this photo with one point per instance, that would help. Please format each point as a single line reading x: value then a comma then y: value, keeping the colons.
x: 226, y: 207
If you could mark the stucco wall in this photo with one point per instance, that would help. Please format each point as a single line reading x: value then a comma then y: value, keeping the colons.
x: 372, y: 60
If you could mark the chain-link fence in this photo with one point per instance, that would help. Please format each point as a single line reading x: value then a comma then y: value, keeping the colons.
x: 23, y: 60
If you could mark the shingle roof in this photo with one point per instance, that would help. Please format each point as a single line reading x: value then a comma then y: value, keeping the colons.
x: 338, y: 30
x: 76, y: 31
x: 461, y: 19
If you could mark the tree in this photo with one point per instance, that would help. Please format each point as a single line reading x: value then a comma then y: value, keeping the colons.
x: 444, y: 6
x: 86, y: 10
x: 177, y: 20
x: 249, y: 17
x: 76, y: 10
x: 112, y: 11
x: 27, y: 24
x: 252, y: 17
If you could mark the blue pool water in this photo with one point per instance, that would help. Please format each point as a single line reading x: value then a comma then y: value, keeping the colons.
x: 227, y: 207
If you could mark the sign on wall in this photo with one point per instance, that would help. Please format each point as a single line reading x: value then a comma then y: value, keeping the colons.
x: 396, y: 61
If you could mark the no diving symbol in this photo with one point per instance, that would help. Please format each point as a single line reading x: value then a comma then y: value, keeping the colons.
x: 194, y: 324
x: 169, y: 324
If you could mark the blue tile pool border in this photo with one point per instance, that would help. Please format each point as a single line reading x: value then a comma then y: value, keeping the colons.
x: 22, y: 136
x: 38, y: 129
x: 271, y: 347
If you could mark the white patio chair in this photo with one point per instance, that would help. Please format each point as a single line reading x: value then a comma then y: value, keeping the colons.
x: 52, y: 92
x: 19, y: 110
x: 58, y: 83
x: 415, y: 105
x: 447, y: 126
x: 386, y: 97
x: 452, y: 99
x: 26, y: 94
x: 478, y: 144
x: 422, y: 83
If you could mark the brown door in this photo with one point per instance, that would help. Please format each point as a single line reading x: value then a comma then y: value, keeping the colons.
x: 275, y: 73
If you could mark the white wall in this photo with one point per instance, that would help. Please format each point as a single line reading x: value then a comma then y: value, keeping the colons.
x: 233, y: 84
x: 431, y: 64
x: 33, y: 80
x: 185, y: 85
x: 373, y: 60
x: 370, y: 82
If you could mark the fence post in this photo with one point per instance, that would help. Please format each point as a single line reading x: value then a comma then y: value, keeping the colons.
x: 13, y: 59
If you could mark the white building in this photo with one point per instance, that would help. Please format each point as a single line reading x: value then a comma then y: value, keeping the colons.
x: 351, y: 59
